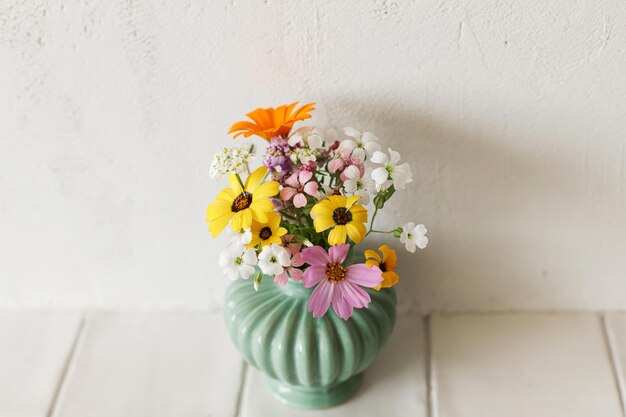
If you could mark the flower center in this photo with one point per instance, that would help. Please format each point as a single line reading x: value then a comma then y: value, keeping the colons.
x: 265, y: 233
x: 335, y: 272
x: 342, y: 216
x: 273, y: 260
x: 241, y: 202
x: 383, y: 267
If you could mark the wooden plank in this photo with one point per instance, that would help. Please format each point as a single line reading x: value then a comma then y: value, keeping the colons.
x: 34, y: 351
x: 152, y: 365
x: 522, y: 365
x: 395, y: 384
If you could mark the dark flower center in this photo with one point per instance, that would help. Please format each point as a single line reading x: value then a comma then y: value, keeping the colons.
x: 342, y: 216
x: 383, y: 267
x: 265, y: 233
x: 241, y: 202
x: 335, y: 272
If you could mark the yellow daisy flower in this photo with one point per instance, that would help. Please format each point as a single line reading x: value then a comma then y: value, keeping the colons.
x: 242, y: 205
x: 343, y: 216
x: 386, y: 263
x: 268, y: 232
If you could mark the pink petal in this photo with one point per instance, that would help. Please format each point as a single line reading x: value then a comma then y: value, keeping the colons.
x: 299, y: 200
x: 338, y: 253
x: 305, y: 176
x: 287, y: 192
x: 367, y: 276
x: 293, y: 180
x: 335, y: 165
x: 321, y: 298
x: 341, y: 306
x: 311, y: 188
x: 313, y: 275
x: 281, y: 279
x: 355, y: 295
x: 315, y: 255
x: 296, y: 259
x: 296, y: 274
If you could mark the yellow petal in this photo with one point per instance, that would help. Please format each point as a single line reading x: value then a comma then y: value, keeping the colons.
x: 337, y: 236
x: 322, y: 223
x: 280, y: 232
x: 234, y: 185
x: 242, y: 220
x: 323, y: 208
x: 217, y: 209
x: 359, y: 213
x: 336, y: 201
x: 254, y: 179
x: 217, y: 225
x: 351, y: 200
x: 267, y: 189
x: 372, y: 262
x: 370, y: 254
x: 356, y: 231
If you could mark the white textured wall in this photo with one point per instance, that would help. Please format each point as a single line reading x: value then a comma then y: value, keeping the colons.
x: 512, y: 113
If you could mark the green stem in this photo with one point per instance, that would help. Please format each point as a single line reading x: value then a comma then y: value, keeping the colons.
x: 372, y: 222
x: 240, y: 182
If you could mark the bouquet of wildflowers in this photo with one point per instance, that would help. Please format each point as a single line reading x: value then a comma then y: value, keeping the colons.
x: 299, y: 214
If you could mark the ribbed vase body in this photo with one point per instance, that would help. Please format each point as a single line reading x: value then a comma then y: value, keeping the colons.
x: 308, y: 362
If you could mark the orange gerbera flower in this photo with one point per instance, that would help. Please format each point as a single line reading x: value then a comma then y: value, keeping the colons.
x: 272, y: 122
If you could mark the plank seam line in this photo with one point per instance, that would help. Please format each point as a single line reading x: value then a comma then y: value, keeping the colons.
x: 431, y: 384
x: 611, y: 343
x: 67, y: 366
x: 242, y: 382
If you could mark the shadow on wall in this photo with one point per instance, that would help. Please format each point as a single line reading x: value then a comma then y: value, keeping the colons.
x: 490, y: 203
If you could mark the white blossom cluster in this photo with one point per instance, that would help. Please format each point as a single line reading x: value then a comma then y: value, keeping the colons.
x: 231, y: 160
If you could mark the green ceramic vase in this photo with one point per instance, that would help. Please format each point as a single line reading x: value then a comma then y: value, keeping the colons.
x: 307, y: 362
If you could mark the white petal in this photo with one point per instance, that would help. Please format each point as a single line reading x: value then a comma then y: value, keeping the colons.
x: 371, y: 147
x: 315, y: 142
x: 410, y: 246
x: 231, y: 273
x: 379, y: 175
x: 348, y: 145
x: 352, y: 132
x: 352, y: 172
x: 395, y: 156
x: 421, y: 241
x: 249, y: 257
x: 245, y: 271
x: 265, y: 254
x: 225, y: 259
x: 379, y: 158
x: 349, y: 186
x: 246, y: 236
x: 408, y: 227
x: 368, y: 137
x: 295, y: 139
x: 420, y: 230
x: 358, y: 153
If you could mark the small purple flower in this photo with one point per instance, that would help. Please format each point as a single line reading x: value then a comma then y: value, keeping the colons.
x: 276, y: 157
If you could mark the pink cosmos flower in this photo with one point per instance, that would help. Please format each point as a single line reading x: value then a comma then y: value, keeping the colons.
x: 293, y: 271
x: 297, y: 185
x: 338, y: 284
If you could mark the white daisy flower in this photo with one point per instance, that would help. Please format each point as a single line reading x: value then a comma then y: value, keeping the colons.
x: 237, y: 264
x: 273, y: 259
x: 413, y: 236
x: 400, y: 174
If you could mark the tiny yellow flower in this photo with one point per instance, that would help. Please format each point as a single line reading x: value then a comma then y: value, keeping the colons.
x: 343, y: 216
x: 242, y: 206
x: 386, y: 263
x: 267, y: 233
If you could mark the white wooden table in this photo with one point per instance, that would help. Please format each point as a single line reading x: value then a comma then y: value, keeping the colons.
x: 114, y: 364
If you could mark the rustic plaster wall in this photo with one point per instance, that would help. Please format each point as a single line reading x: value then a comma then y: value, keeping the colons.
x: 512, y: 114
